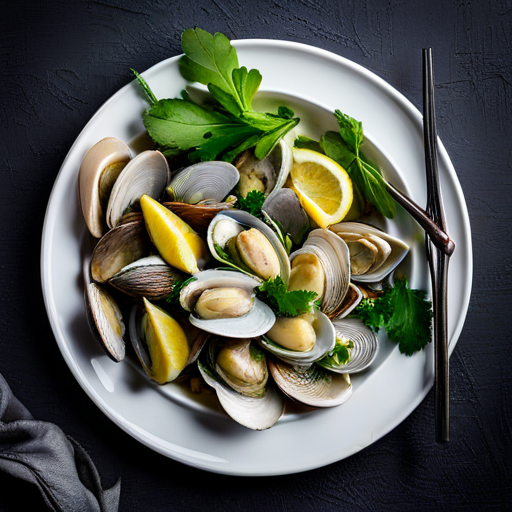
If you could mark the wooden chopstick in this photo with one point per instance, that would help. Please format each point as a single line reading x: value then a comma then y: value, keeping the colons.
x: 437, y: 258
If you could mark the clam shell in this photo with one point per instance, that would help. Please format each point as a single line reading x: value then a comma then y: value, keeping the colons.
x: 99, y: 170
x: 256, y: 322
x: 283, y: 206
x: 334, y: 256
x: 148, y: 173
x: 254, y: 413
x: 104, y: 317
x: 275, y: 167
x: 379, y: 271
x: 241, y: 221
x: 365, y: 342
x: 118, y: 248
x: 325, y: 341
x: 312, y: 386
x: 203, y: 181
x: 148, y: 277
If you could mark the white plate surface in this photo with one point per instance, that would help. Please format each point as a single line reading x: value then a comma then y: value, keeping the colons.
x: 184, y: 428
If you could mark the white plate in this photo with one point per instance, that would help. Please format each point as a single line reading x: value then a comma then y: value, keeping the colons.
x: 168, y: 420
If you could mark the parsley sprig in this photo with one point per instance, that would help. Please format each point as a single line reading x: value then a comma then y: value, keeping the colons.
x: 404, y: 313
x: 252, y: 203
x: 275, y: 294
x: 174, y: 296
x: 228, y: 126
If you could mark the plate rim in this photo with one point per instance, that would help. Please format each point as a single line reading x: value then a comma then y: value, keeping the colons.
x: 116, y: 417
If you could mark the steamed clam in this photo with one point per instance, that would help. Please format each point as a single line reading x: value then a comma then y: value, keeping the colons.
x: 200, y: 191
x: 244, y: 242
x: 104, y: 317
x: 301, y: 340
x: 322, y: 265
x: 267, y: 175
x: 223, y: 303
x: 373, y: 253
x: 149, y: 277
x: 237, y: 370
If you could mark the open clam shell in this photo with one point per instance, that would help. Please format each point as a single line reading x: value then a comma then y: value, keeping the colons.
x: 228, y: 224
x: 118, y: 248
x: 148, y: 173
x: 312, y: 386
x: 325, y: 341
x: 104, y: 317
x: 198, y: 216
x: 203, y: 181
x: 377, y: 252
x: 365, y: 346
x: 334, y: 257
x: 256, y: 322
x: 267, y: 175
x: 99, y: 170
x: 256, y: 413
x: 149, y: 277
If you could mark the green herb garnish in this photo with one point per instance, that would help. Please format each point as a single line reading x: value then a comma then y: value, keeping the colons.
x: 344, y: 148
x: 227, y: 127
x: 252, y: 203
x: 339, y: 355
x: 223, y: 254
x: 275, y: 294
x: 174, y: 296
x: 403, y: 312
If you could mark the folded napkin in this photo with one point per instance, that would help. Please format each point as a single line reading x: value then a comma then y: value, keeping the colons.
x: 40, y: 453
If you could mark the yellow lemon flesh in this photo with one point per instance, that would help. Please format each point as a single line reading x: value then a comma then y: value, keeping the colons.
x: 176, y: 241
x: 323, y: 187
x: 167, y: 344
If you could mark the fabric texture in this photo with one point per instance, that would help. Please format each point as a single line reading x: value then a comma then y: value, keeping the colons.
x: 40, y: 453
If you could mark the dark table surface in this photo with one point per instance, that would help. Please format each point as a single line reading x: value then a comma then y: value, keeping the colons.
x: 62, y: 59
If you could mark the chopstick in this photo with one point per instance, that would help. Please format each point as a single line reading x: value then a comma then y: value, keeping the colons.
x: 438, y: 258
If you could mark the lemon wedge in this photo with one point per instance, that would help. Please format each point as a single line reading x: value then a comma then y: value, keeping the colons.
x: 178, y: 244
x: 167, y: 344
x: 323, y: 187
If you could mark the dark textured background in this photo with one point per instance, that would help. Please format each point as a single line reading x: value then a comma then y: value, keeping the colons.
x: 60, y: 60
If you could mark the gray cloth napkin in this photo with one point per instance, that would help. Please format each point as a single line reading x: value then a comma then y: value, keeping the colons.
x: 40, y: 453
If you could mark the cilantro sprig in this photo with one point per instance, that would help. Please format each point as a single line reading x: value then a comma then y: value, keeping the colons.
x: 275, y: 294
x: 404, y: 313
x: 228, y: 126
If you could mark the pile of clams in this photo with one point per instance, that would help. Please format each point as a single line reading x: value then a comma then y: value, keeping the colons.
x: 175, y: 270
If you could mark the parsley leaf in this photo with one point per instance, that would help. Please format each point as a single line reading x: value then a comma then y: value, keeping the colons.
x: 344, y: 148
x: 403, y: 312
x: 226, y: 127
x: 174, y: 296
x: 252, y: 203
x: 275, y: 294
x: 339, y: 355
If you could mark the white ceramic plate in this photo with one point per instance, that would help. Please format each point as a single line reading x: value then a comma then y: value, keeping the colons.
x: 186, y: 428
